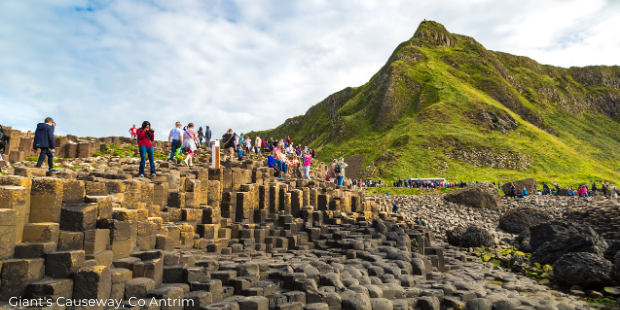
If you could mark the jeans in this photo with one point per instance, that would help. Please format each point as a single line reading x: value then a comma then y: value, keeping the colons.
x: 200, y: 139
x: 340, y: 179
x: 307, y: 173
x: 279, y: 164
x: 256, y: 149
x: 50, y: 158
x: 144, y: 151
x: 175, y: 145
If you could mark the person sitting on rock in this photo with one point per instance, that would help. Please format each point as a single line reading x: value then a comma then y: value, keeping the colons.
x: 524, y: 192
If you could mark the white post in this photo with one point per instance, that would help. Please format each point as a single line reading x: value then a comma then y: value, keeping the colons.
x: 215, y: 154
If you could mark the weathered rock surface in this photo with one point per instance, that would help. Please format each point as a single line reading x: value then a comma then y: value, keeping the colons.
x: 481, y: 195
x: 529, y: 184
x: 553, y: 239
x: 581, y: 268
x: 519, y: 219
x: 476, y: 237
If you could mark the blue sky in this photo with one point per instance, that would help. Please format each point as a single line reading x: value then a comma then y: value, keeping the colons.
x: 97, y: 67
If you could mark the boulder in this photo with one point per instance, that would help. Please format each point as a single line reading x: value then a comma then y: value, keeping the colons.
x: 553, y: 239
x: 616, y: 270
x: 611, y: 251
x: 519, y: 219
x: 581, y: 268
x: 481, y: 195
x: 530, y: 184
x: 454, y: 235
x: 476, y: 237
x: 523, y: 241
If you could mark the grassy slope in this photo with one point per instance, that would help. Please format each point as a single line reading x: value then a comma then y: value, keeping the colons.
x: 451, y: 83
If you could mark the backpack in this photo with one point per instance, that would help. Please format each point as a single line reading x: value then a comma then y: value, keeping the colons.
x: 337, y: 168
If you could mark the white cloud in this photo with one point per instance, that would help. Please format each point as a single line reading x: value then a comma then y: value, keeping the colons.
x: 98, y: 67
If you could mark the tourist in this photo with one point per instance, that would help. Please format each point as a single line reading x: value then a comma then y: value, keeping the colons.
x: 313, y: 153
x: 339, y: 169
x: 594, y: 189
x: 394, y: 208
x: 201, y: 135
x: 208, y: 137
x: 175, y: 139
x: 4, y: 142
x: 604, y: 189
x: 248, y: 144
x: 146, y: 136
x: 240, y: 153
x: 257, y: 144
x: 331, y: 174
x: 228, y: 140
x: 271, y: 163
x: 612, y: 191
x: 132, y: 131
x: 45, y: 141
x: 306, y: 165
x: 190, y: 141
x: 571, y: 192
x: 295, y: 165
x: 513, y: 192
x: 524, y: 192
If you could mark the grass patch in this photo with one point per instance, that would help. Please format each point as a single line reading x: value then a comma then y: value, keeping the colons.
x: 600, y: 302
x: 32, y: 158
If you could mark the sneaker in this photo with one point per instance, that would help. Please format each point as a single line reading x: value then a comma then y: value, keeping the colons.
x: 153, y: 175
x: 53, y: 170
x: 141, y: 175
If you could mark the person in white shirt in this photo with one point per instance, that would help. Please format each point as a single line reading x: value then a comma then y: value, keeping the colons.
x: 175, y: 139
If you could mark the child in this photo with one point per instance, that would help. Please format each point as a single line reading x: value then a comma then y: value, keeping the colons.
x: 240, y: 152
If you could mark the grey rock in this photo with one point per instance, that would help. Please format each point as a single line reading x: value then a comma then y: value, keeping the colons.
x: 585, y: 269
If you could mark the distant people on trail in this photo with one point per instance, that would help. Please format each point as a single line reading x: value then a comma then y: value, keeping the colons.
x: 583, y: 192
x: 190, y: 141
x: 594, y: 189
x: 331, y: 174
x: 208, y: 137
x: 306, y: 165
x: 201, y: 135
x: 612, y: 191
x: 571, y: 192
x: 228, y: 140
x: 604, y: 189
x: 146, y: 136
x: 339, y: 170
x: 44, y: 140
x: 133, y: 131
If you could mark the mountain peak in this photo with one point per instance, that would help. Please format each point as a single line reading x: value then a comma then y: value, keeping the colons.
x: 434, y: 33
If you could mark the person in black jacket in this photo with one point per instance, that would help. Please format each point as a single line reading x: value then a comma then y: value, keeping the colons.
x: 44, y: 140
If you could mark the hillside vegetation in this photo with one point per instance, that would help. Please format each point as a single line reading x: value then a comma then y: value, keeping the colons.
x: 444, y: 106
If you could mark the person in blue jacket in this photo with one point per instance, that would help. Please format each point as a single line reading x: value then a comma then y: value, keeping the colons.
x: 44, y: 141
x: 524, y: 192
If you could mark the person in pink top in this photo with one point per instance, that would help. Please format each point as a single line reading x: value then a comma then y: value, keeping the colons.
x: 190, y: 142
x: 306, y: 165
x: 146, y: 136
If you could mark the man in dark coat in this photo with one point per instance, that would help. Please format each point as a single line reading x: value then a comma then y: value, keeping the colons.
x: 44, y: 141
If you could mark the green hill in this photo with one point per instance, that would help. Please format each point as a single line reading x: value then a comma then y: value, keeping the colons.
x: 444, y: 106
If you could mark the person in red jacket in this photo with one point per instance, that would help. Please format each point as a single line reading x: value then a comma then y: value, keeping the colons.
x: 146, y: 136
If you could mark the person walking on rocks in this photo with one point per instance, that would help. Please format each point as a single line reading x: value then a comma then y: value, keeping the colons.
x: 146, y: 136
x: 604, y: 189
x: 331, y: 174
x: 339, y: 169
x: 248, y: 144
x: 133, y: 131
x: 228, y: 139
x: 594, y: 189
x: 208, y: 137
x: 306, y: 165
x: 201, y: 135
x: 175, y: 139
x: 513, y: 190
x: 190, y: 140
x: 44, y: 140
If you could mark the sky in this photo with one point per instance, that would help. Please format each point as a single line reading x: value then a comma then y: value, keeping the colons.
x: 98, y: 67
